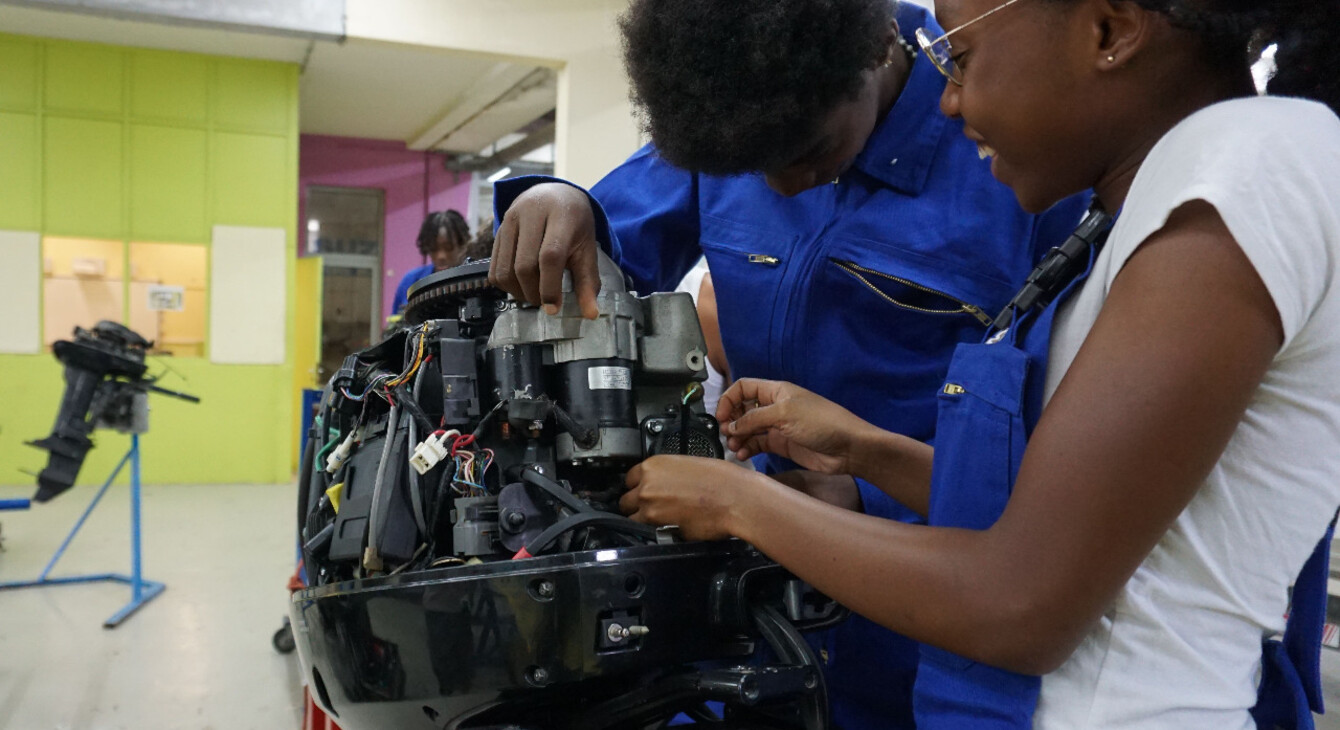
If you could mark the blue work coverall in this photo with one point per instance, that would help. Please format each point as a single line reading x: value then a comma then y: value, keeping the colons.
x: 858, y: 290
x: 410, y: 278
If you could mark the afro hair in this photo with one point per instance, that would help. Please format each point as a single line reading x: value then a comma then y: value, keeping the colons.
x: 732, y: 86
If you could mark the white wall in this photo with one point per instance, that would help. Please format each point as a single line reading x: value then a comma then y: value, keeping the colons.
x: 595, y: 130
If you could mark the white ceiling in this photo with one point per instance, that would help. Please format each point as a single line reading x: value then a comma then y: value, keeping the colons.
x: 368, y: 89
x: 355, y: 89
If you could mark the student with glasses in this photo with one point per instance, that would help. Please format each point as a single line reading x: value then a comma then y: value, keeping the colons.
x: 1138, y: 555
x: 854, y: 235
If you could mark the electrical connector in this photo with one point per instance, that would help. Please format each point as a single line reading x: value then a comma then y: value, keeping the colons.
x: 341, y: 453
x: 429, y: 453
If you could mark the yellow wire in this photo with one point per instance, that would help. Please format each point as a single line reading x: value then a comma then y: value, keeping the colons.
x: 418, y: 359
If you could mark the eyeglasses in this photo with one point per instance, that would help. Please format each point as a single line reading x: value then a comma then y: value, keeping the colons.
x: 942, y: 54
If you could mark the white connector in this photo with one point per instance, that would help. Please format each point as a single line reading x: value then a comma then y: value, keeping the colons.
x: 429, y: 453
x: 341, y: 453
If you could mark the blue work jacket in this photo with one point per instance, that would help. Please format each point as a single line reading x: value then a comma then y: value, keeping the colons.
x: 858, y: 290
x: 410, y: 278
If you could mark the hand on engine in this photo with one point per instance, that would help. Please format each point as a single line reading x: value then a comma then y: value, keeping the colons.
x: 708, y: 499
x: 767, y: 416
x: 548, y: 229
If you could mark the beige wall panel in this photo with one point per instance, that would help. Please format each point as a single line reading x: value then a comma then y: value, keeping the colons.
x: 20, y: 292
x: 248, y: 313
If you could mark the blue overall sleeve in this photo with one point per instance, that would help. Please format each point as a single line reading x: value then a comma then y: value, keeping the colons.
x: 646, y: 214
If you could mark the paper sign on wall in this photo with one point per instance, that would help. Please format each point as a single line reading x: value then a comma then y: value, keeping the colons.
x: 163, y: 298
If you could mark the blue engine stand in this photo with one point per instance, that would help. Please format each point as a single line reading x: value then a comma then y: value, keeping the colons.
x: 141, y: 591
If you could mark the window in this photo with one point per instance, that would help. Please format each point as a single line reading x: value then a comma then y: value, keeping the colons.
x: 163, y: 298
x: 82, y: 284
x: 167, y: 296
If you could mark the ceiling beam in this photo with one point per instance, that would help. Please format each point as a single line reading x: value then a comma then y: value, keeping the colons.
x: 542, y: 136
x: 499, y: 80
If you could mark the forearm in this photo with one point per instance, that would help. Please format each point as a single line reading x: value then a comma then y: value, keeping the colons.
x: 899, y: 466
x: 955, y: 589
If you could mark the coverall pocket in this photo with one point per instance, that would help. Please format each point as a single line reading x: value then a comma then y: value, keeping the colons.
x: 981, y: 436
x: 907, y: 294
x: 749, y: 266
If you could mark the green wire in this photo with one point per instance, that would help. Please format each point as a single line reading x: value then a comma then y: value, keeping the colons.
x: 692, y: 390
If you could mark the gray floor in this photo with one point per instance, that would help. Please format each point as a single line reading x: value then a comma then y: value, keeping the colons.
x: 199, y: 656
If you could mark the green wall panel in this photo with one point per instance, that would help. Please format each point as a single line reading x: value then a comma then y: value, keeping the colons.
x: 131, y: 144
x: 19, y: 206
x: 238, y: 433
x: 252, y: 186
x: 18, y: 73
x: 169, y: 86
x: 253, y: 96
x: 82, y: 178
x: 82, y: 77
x: 168, y: 169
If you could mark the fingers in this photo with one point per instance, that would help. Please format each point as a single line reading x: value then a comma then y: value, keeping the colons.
x: 502, y: 265
x: 586, y: 279
x: 530, y: 237
x: 758, y: 421
x: 746, y: 394
x: 630, y: 501
x: 748, y: 448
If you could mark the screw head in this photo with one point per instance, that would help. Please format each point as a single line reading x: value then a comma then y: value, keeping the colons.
x: 539, y: 675
x: 655, y: 427
x: 546, y: 588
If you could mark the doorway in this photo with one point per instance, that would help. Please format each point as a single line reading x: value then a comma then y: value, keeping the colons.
x: 345, y: 227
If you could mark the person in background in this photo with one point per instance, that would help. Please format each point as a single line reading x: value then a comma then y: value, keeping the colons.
x: 443, y: 238
x: 1139, y: 552
x: 855, y: 237
x: 481, y: 246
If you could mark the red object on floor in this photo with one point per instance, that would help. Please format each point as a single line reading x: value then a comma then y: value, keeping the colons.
x: 295, y: 581
x: 313, y: 717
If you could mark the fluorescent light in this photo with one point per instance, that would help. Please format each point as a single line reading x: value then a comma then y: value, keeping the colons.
x: 495, y: 177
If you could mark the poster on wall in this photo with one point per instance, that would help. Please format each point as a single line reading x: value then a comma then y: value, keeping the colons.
x: 163, y: 298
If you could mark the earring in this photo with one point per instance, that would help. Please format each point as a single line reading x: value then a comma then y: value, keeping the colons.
x: 1111, y: 59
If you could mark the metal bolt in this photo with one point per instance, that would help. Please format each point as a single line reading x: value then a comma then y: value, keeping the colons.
x: 538, y: 469
x: 539, y: 675
x: 655, y: 427
x: 545, y: 588
x: 617, y: 633
x: 515, y: 519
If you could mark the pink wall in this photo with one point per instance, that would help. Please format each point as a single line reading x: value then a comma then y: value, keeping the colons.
x: 415, y: 184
